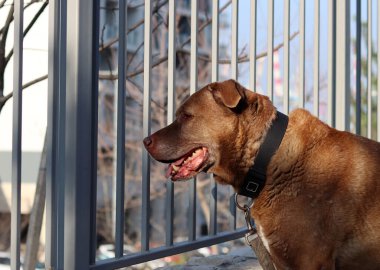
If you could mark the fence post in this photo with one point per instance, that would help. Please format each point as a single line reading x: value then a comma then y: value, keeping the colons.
x: 17, y: 134
x: 342, y: 72
x: 358, y: 109
x: 81, y: 134
x: 55, y: 139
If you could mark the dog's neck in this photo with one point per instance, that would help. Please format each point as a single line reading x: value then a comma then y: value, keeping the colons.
x: 255, y: 178
x: 251, y: 129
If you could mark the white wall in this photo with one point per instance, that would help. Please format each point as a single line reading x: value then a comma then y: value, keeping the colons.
x: 34, y: 106
x: 34, y: 97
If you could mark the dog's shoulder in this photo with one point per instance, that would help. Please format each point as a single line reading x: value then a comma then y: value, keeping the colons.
x: 302, y: 116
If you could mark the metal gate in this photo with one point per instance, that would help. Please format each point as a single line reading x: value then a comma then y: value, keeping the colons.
x: 73, y: 107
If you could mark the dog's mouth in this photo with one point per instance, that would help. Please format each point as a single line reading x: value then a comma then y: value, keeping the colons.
x: 188, y: 165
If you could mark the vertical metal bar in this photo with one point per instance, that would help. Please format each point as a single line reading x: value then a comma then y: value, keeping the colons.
x: 171, y: 110
x: 17, y: 133
x: 193, y: 88
x: 252, y: 47
x: 214, y: 77
x: 343, y: 65
x: 51, y: 133
x: 234, y: 75
x: 171, y: 61
x: 145, y: 203
x: 234, y: 40
x: 81, y: 134
x: 302, y: 55
x: 369, y: 69
x: 215, y: 41
x: 270, y: 49
x: 56, y: 135
x: 60, y: 160
x: 331, y: 58
x: 286, y: 55
x: 358, y: 66
x: 194, y: 48
x: 316, y: 59
x: 120, y: 136
x: 378, y: 72
x: 95, y: 101
x: 213, y: 206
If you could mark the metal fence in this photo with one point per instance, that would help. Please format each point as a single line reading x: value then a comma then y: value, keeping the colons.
x: 73, y: 115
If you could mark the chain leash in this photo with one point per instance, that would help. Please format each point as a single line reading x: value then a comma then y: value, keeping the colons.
x: 252, y: 232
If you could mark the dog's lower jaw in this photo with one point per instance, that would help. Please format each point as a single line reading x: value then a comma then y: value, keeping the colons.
x: 226, y: 178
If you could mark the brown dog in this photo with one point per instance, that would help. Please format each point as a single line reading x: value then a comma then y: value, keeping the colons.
x: 320, y: 206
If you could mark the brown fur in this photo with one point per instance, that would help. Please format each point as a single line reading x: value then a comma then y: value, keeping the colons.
x: 320, y: 207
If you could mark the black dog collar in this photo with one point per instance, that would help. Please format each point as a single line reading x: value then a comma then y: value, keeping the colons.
x: 255, y: 179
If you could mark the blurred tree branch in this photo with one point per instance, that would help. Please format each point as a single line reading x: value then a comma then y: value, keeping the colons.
x: 241, y: 59
x: 4, y: 60
x: 30, y: 25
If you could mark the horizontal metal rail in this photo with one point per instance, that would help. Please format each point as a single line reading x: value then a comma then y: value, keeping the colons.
x: 168, y: 251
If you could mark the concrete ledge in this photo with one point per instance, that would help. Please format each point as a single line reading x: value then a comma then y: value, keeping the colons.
x: 239, y: 259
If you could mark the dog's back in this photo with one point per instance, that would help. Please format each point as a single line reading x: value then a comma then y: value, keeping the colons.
x: 323, y: 184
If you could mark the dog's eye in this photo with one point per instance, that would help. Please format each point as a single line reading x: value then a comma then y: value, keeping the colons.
x: 185, y: 116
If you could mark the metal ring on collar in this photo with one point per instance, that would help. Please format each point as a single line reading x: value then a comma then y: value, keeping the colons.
x: 246, y: 207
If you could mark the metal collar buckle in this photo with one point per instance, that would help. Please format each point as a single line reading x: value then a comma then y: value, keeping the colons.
x: 252, y: 232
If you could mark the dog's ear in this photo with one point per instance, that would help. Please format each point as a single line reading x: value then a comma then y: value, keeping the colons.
x: 230, y: 93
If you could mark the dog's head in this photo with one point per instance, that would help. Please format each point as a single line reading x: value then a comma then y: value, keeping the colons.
x: 211, y: 132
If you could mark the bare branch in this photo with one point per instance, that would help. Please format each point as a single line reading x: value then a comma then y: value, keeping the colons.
x: 3, y: 99
x: 3, y: 42
x: 152, y: 99
x: 25, y: 7
x: 135, y: 26
x: 205, y: 24
x: 30, y: 25
x: 156, y: 10
x: 136, y: 5
x: 135, y: 73
x: 37, y: 80
x: 6, y: 26
x: 141, y: 46
x: 2, y: 3
x: 242, y: 59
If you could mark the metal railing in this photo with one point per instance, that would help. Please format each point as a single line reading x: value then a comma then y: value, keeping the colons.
x: 73, y: 110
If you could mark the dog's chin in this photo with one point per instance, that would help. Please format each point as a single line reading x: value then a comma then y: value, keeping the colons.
x: 176, y: 178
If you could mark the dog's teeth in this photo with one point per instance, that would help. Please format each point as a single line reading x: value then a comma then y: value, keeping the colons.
x: 188, y: 159
x: 175, y: 168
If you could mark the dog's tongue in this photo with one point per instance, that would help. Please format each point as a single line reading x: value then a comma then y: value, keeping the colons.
x: 171, y: 168
x: 179, y: 162
x: 182, y: 167
x: 168, y: 171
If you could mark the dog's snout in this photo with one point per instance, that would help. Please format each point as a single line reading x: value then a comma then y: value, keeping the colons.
x: 147, y: 141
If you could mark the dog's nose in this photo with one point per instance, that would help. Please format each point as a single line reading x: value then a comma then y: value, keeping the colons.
x: 147, y: 141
